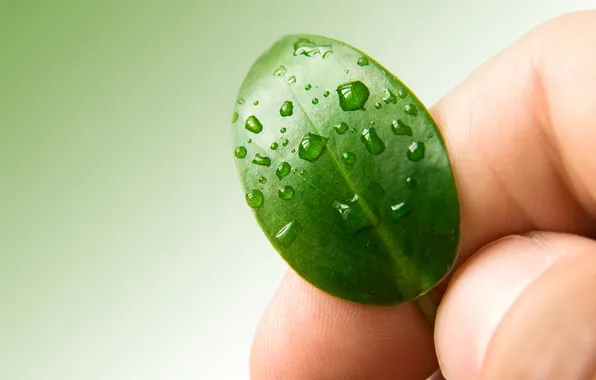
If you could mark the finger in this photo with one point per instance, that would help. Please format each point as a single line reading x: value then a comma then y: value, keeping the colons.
x: 523, y: 308
x: 519, y: 133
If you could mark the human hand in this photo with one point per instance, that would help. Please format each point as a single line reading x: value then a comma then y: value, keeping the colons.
x: 521, y: 135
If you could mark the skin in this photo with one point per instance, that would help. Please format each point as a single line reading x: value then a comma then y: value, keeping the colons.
x: 521, y: 132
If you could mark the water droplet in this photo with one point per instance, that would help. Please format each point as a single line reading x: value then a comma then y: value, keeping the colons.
x: 254, y: 198
x: 411, y: 109
x: 400, y: 128
x: 353, y: 96
x: 285, y: 142
x: 263, y: 180
x: 234, y: 117
x: 430, y: 134
x: 280, y: 71
x: 315, y: 101
x: 249, y: 141
x: 286, y: 109
x: 292, y: 80
x: 240, y: 152
x: 347, y: 71
x: 402, y: 93
x: 283, y: 170
x: 311, y: 147
x: 355, y: 214
x: 261, y: 160
x: 326, y: 94
x: 253, y: 124
x: 348, y: 157
x: 256, y: 103
x: 416, y: 151
x: 241, y: 101
x: 372, y: 141
x: 308, y: 48
x: 389, y: 97
x: 308, y: 87
x: 378, y: 106
x: 353, y: 130
x: 302, y: 172
x: 363, y: 61
x: 398, y: 211
x: 283, y: 130
x: 274, y: 146
x: 293, y: 150
x: 411, y: 182
x: 341, y: 128
x: 286, y: 192
x: 286, y: 235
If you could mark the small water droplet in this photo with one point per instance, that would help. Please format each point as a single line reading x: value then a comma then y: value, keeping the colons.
x: 372, y: 141
x: 399, y: 210
x: 378, y: 106
x: 347, y: 71
x: 280, y: 71
x: 285, y: 142
x: 341, y: 128
x: 240, y: 152
x: 274, y: 146
x: 263, y: 180
x: 353, y: 130
x: 302, y: 172
x: 241, y: 101
x: 253, y: 124
x: 389, y: 97
x: 400, y: 128
x: 416, y: 151
x: 254, y: 198
x: 353, y: 96
x: 249, y: 141
x: 292, y: 80
x: 411, y: 182
x: 315, y: 101
x: 363, y: 61
x: 308, y: 48
x: 348, y: 158
x: 326, y: 94
x: 293, y: 150
x: 411, y: 109
x: 402, y: 93
x: 355, y: 214
x: 256, y: 103
x: 234, y: 117
x: 430, y: 134
x: 311, y: 147
x: 283, y: 130
x: 286, y: 192
x: 286, y: 235
x: 261, y: 160
x: 308, y: 87
x: 283, y: 170
x: 286, y: 109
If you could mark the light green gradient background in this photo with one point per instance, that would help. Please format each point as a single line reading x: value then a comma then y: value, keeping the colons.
x: 126, y: 249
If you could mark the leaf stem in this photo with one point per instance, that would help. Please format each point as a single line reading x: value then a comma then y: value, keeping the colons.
x: 428, y: 307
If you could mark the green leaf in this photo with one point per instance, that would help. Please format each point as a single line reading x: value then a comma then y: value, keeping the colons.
x: 346, y: 172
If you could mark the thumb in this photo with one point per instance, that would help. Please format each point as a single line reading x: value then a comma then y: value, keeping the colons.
x: 522, y: 308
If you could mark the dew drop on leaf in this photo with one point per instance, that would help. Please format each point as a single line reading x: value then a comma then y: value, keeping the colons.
x: 253, y: 124
x: 283, y: 170
x: 286, y: 192
x: 283, y: 130
x: 399, y: 210
x: 363, y: 61
x: 315, y: 101
x: 306, y: 47
x: 280, y: 71
x: 389, y: 97
x: 372, y: 142
x: 416, y: 151
x: 241, y: 101
x: 411, y: 110
x: 326, y: 94
x: 348, y: 157
x: 308, y: 87
x: 292, y: 80
x: 287, y: 234
x: 355, y: 215
x: 285, y: 142
x: 399, y: 128
x: 240, y: 152
x: 411, y: 182
x: 311, y: 147
x: 234, y: 117
x: 341, y: 128
x: 353, y: 96
x: 378, y: 106
x: 261, y: 160
x: 274, y: 146
x: 262, y: 180
x: 256, y: 103
x: 254, y: 198
x: 287, y: 109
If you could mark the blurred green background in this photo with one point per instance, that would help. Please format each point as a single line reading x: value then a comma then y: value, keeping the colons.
x: 126, y: 249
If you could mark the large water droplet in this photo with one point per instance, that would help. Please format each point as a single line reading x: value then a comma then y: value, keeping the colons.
x: 399, y: 210
x: 292, y: 80
x: 348, y: 158
x: 341, y: 128
x: 400, y: 128
x: 274, y: 146
x: 286, y: 192
x: 240, y: 152
x: 280, y: 71
x: 353, y: 96
x: 254, y: 198
x: 355, y: 214
x: 287, y: 109
x: 372, y: 141
x: 286, y: 235
x: 234, y: 117
x: 261, y: 160
x: 315, y: 101
x: 253, y: 124
x: 411, y: 110
x: 262, y: 180
x: 389, y: 97
x: 308, y: 48
x: 416, y: 151
x: 363, y: 61
x: 283, y: 170
x: 311, y: 147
